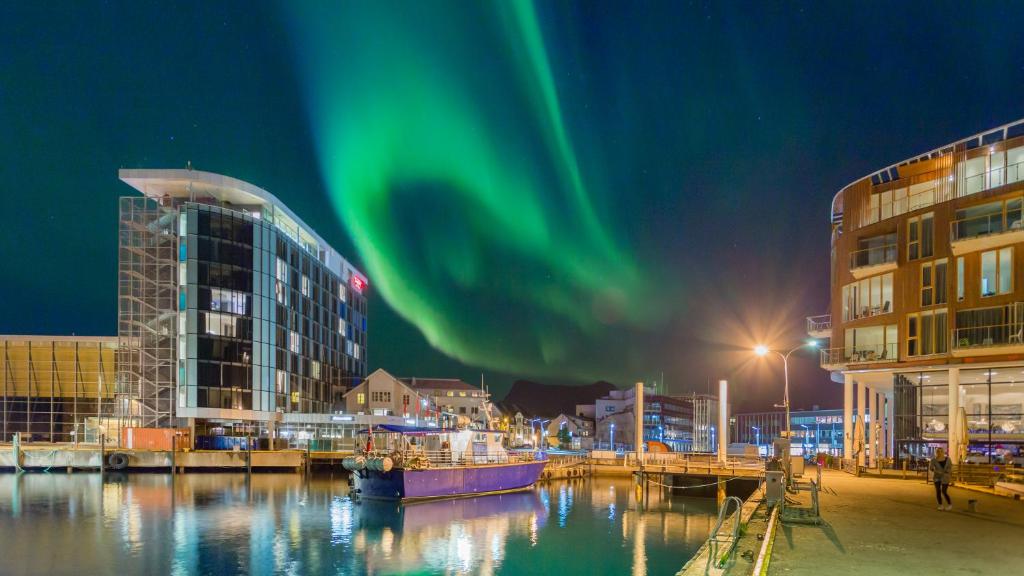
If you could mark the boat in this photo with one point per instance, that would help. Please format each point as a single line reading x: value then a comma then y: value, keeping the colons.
x: 414, y: 463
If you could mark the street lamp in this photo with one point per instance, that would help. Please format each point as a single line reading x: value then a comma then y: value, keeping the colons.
x: 757, y: 438
x: 804, y: 443
x: 612, y: 440
x: 762, y: 350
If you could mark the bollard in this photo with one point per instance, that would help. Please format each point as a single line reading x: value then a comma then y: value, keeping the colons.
x: 103, y: 454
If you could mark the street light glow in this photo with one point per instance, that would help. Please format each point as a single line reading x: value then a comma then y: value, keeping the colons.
x: 760, y: 350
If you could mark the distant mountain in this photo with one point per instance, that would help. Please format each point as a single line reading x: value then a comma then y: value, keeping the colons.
x: 535, y: 399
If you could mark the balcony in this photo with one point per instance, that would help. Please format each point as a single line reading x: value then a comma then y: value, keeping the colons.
x: 873, y: 260
x: 989, y: 331
x: 819, y: 326
x: 986, y: 231
x: 839, y: 358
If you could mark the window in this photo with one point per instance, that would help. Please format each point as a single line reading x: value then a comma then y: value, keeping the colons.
x: 997, y: 272
x: 960, y: 278
x: 985, y: 219
x: 868, y: 297
x: 920, y: 236
x: 294, y: 342
x: 282, y: 271
x: 871, y: 343
x: 228, y: 301
x: 360, y: 398
x: 926, y: 333
x: 305, y: 285
x: 933, y: 283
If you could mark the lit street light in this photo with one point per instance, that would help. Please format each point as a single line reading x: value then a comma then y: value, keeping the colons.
x: 762, y: 350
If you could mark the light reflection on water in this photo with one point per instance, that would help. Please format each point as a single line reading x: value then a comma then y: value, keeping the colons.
x: 286, y: 524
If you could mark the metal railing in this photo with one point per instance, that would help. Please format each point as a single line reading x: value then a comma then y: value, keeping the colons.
x: 1007, y: 333
x: 446, y: 459
x: 820, y: 323
x: 873, y: 256
x: 986, y: 225
x: 730, y: 539
x: 993, y: 178
x: 863, y: 354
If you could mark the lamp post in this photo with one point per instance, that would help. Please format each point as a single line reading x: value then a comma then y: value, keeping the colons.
x: 804, y: 443
x: 612, y: 440
x: 762, y: 350
x: 757, y: 438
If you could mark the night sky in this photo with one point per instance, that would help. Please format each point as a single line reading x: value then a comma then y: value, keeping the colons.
x: 555, y: 191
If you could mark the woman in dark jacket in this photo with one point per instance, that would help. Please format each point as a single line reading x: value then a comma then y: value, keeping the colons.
x: 942, y: 472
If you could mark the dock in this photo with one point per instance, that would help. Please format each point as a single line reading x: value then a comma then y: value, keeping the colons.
x: 70, y: 458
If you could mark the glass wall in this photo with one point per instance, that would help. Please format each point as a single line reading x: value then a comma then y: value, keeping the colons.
x: 992, y: 401
x: 921, y: 413
x: 868, y: 297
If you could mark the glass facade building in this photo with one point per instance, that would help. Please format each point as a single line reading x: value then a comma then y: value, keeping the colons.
x: 231, y: 310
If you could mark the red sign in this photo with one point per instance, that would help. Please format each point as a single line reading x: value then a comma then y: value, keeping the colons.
x: 358, y: 283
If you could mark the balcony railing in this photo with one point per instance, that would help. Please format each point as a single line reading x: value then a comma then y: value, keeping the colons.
x: 986, y: 225
x: 993, y: 178
x: 873, y: 256
x: 859, y: 354
x: 819, y: 324
x: 1000, y: 326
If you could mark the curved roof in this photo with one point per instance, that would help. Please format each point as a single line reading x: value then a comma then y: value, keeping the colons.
x: 984, y: 138
x: 187, y: 183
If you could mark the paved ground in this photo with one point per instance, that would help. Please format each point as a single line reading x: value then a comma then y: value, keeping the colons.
x: 877, y: 526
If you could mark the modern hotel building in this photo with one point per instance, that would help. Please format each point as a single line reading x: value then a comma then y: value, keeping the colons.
x: 927, y: 301
x: 232, y: 313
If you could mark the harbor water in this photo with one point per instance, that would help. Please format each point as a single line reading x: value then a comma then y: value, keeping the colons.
x: 289, y: 524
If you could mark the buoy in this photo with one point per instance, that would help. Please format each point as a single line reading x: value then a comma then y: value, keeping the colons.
x: 386, y: 464
x: 117, y: 461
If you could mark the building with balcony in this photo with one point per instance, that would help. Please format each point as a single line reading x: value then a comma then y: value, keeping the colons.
x: 233, y: 314
x: 926, y: 321
x: 680, y: 423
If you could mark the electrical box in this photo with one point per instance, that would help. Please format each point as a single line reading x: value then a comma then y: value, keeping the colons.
x: 774, y: 487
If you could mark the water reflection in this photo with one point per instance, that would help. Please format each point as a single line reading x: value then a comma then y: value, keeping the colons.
x: 287, y: 524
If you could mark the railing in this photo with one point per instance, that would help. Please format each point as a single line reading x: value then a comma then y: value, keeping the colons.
x: 820, y: 323
x: 445, y: 459
x: 1007, y: 333
x: 873, y: 256
x: 876, y: 353
x: 717, y: 539
x: 993, y: 178
x: 986, y: 225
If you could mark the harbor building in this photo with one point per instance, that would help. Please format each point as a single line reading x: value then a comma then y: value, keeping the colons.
x: 58, y: 388
x: 233, y: 314
x: 926, y: 319
x: 679, y: 423
x: 814, y: 431
x: 441, y: 401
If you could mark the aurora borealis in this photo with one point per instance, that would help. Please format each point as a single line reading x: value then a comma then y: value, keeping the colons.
x: 561, y: 191
x: 471, y: 209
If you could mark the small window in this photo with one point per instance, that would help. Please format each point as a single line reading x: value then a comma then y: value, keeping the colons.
x: 960, y: 278
x: 997, y: 272
x: 920, y: 236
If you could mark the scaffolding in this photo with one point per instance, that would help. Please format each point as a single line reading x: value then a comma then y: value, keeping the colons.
x: 57, y: 389
x: 147, y: 312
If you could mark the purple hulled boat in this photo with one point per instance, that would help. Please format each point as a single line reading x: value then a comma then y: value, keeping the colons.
x: 408, y: 463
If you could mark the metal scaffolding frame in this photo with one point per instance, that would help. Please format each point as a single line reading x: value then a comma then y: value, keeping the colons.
x: 57, y: 389
x: 147, y: 319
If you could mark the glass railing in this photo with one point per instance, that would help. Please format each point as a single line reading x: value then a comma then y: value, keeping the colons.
x: 873, y: 256
x: 986, y: 224
x: 993, y: 178
x: 1002, y: 333
x: 859, y: 353
x: 821, y: 323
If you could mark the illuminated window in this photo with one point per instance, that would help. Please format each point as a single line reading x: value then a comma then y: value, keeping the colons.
x: 920, y: 236
x: 282, y: 271
x: 450, y: 393
x: 295, y: 343
x: 360, y: 398
x: 960, y: 278
x: 462, y: 394
x: 305, y: 285
x: 997, y: 272
x: 933, y: 283
x: 927, y: 333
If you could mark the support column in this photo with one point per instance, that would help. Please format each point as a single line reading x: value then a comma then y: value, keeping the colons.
x: 723, y: 420
x: 638, y: 433
x: 876, y: 426
x: 886, y: 412
x: 954, y: 415
x: 860, y: 408
x: 847, y: 415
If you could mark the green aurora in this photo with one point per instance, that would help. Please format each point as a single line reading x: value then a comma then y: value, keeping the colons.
x: 447, y: 155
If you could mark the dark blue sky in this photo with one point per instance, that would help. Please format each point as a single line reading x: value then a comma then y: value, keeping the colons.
x: 718, y: 135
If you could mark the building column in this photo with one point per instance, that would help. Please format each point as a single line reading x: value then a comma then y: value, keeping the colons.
x: 876, y: 427
x: 860, y: 408
x: 954, y: 415
x: 847, y: 415
x: 887, y: 426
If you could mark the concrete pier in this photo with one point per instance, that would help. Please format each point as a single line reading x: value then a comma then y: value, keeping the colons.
x: 884, y: 526
x: 70, y: 458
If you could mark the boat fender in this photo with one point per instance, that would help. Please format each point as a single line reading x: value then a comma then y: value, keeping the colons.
x: 386, y: 464
x: 117, y: 461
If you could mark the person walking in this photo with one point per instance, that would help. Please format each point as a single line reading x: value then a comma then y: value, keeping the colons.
x: 942, y: 472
